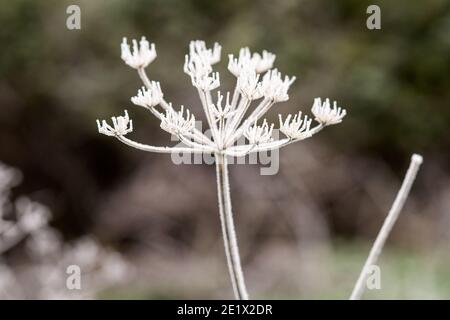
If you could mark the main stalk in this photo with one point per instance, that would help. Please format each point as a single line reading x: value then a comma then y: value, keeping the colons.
x: 228, y: 230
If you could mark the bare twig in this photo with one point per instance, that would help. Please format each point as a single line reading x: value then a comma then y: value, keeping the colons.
x: 402, y: 195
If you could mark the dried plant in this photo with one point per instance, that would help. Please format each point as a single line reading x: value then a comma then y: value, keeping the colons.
x: 229, y: 119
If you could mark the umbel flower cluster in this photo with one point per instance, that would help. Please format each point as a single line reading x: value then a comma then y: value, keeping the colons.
x: 231, y: 116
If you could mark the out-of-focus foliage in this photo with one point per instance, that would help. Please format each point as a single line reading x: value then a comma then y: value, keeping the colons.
x: 393, y: 82
x: 40, y: 271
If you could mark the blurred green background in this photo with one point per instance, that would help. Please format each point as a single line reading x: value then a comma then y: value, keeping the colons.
x: 305, y: 232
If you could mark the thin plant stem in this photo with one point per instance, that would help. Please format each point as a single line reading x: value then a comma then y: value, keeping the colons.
x: 228, y: 230
x: 402, y: 195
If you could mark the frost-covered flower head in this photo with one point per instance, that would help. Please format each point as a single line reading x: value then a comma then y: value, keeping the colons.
x: 177, y: 123
x: 220, y: 110
x: 274, y: 87
x: 264, y: 61
x: 248, y: 84
x: 140, y: 56
x: 121, y: 126
x: 228, y: 119
x: 198, y: 65
x: 206, y: 82
x: 148, y: 98
x: 296, y: 127
x: 198, y: 48
x: 325, y: 114
x: 259, y: 134
x: 257, y: 62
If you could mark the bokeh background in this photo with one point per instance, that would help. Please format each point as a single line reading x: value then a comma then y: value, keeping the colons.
x: 303, y: 233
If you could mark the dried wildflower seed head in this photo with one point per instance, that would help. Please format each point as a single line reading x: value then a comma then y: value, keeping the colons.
x: 258, y: 62
x: 198, y: 48
x: 263, y: 62
x: 296, y: 127
x: 248, y: 85
x: 206, y: 82
x: 197, y: 66
x: 142, y: 55
x: 259, y: 134
x: 198, y: 63
x: 236, y: 65
x: 121, y: 126
x: 221, y: 111
x: 150, y: 97
x: 274, y: 87
x: 176, y: 123
x: 325, y: 114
